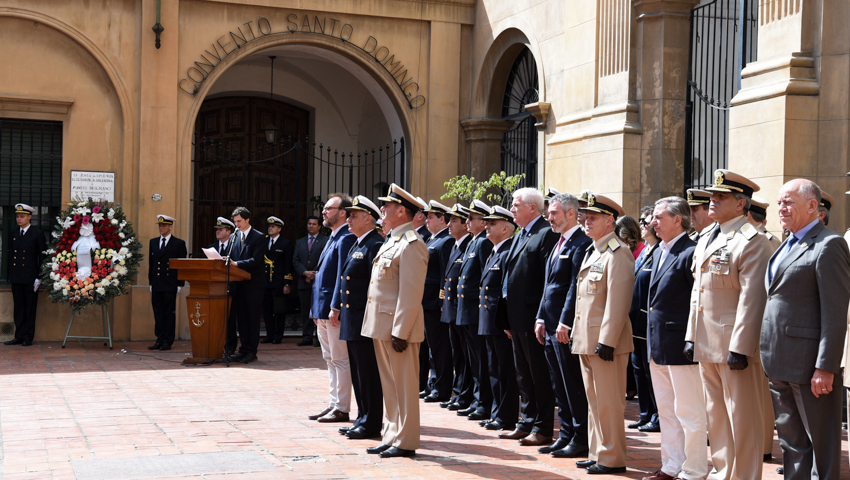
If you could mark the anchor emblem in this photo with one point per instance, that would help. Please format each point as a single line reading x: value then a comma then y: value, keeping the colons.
x: 196, y: 317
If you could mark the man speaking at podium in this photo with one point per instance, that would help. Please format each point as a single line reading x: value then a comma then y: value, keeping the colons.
x: 248, y: 253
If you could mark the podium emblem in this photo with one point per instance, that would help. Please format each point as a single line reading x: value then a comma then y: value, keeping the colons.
x: 196, y: 317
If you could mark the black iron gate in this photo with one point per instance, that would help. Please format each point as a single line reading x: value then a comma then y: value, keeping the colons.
x: 519, y: 143
x: 723, y: 40
x: 291, y: 184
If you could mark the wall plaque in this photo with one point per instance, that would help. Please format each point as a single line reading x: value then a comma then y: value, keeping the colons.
x: 97, y: 185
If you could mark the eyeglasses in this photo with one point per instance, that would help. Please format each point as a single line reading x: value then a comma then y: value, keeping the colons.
x: 644, y: 222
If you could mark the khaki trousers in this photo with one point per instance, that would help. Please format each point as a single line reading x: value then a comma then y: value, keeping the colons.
x: 767, y: 410
x: 605, y: 384
x: 735, y: 418
x: 400, y: 382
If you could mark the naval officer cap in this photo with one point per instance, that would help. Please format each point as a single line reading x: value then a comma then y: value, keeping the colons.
x: 23, y: 208
x: 497, y: 212
x: 165, y: 220
x: 438, y: 208
x: 826, y: 200
x: 730, y: 182
x: 459, y: 211
x: 423, y: 203
x: 550, y: 193
x: 402, y: 197
x: 582, y: 197
x: 275, y: 221
x: 604, y: 205
x: 697, y: 197
x: 759, y: 205
x: 222, y: 222
x: 364, y: 204
x: 479, y: 207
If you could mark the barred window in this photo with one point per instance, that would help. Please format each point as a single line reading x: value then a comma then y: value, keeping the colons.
x: 30, y: 173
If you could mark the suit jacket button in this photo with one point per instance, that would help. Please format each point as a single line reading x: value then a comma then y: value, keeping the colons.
x: 346, y: 305
x: 578, y: 297
x: 348, y: 278
x: 699, y: 309
x: 702, y: 269
x: 479, y: 305
x: 464, y: 277
x: 486, y: 288
x: 485, y: 307
x: 700, y: 289
x: 346, y: 292
x: 340, y: 277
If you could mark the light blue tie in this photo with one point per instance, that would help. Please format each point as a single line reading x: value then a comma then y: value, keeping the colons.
x: 792, y: 240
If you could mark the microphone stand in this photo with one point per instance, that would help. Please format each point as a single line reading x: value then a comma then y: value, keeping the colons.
x: 227, y: 263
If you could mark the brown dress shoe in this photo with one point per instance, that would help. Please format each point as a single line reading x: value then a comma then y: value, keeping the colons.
x: 334, y: 416
x: 324, y: 412
x: 514, y: 435
x: 535, y: 439
x: 659, y: 475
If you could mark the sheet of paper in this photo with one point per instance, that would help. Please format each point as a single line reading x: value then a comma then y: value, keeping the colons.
x: 212, y: 253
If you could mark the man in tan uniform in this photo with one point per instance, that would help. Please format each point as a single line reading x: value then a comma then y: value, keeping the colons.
x: 394, y: 319
x: 601, y: 334
x: 757, y: 216
x: 724, y: 325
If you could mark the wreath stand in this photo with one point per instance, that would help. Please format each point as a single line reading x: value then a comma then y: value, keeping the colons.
x: 107, y: 328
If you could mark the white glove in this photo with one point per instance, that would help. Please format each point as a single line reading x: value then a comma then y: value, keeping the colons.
x: 35, y: 285
x: 178, y: 290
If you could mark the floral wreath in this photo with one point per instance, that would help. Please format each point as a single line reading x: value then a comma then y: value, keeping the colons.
x: 113, y: 266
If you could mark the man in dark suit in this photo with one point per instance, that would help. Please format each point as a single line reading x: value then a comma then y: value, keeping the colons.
x: 675, y: 379
x: 426, y: 377
x: 476, y: 254
x: 164, y: 285
x: 802, y: 335
x: 522, y: 289
x: 463, y: 379
x: 223, y: 240
x: 325, y: 308
x: 439, y: 246
x: 492, y: 322
x: 28, y: 246
x: 354, y: 277
x: 556, y: 312
x: 307, y: 252
x: 420, y: 221
x: 248, y: 253
x: 278, y: 269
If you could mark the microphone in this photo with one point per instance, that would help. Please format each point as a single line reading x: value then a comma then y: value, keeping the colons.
x: 230, y: 248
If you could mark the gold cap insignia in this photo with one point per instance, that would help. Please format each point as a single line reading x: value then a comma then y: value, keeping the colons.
x: 161, y: 219
x: 591, y: 199
x: 690, y: 196
x: 719, y: 178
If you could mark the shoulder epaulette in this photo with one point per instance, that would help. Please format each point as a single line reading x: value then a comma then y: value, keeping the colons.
x: 613, y: 244
x: 410, y: 236
x: 749, y: 231
x: 770, y: 236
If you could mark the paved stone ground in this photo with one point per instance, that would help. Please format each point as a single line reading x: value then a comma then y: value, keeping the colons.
x: 86, y: 403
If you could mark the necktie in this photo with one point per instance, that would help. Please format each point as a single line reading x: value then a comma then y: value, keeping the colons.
x: 271, y: 243
x: 792, y: 240
x: 22, y: 232
x: 162, y: 245
x: 557, y: 250
x: 714, y: 234
x: 310, y: 244
x: 221, y: 249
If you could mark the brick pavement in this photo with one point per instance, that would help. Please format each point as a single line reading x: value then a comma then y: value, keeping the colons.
x: 86, y: 402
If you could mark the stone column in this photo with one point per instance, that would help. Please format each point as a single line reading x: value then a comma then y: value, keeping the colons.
x: 158, y: 130
x: 540, y: 111
x: 443, y: 111
x: 791, y: 117
x: 484, y: 141
x: 663, y: 36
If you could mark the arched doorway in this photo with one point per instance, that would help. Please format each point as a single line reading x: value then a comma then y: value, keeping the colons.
x: 234, y: 165
x: 519, y: 143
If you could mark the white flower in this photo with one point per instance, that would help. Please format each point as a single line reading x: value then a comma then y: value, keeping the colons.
x: 56, y: 234
x: 105, y: 282
x: 111, y: 213
x: 64, y: 282
x: 97, y: 217
x: 121, y: 235
x: 100, y: 290
x: 123, y: 251
x: 120, y: 270
x: 50, y: 251
x: 114, y: 222
x: 57, y: 287
x: 54, y: 266
x: 65, y: 293
x: 123, y: 223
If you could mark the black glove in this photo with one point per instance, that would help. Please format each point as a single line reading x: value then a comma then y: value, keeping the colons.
x: 689, y: 350
x: 736, y: 361
x: 605, y: 352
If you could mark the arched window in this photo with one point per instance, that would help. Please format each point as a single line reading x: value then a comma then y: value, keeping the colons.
x: 519, y: 143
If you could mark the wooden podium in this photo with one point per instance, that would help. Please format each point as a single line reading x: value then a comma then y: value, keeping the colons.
x: 207, y: 303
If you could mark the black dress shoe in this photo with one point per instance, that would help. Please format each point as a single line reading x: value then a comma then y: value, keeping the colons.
x: 247, y: 358
x: 650, y: 427
x: 572, y: 450
x: 585, y: 463
x: 376, y: 450
x: 26, y: 343
x: 238, y: 356
x: 484, y: 423
x: 476, y: 415
x: 228, y: 353
x: 343, y: 430
x: 266, y: 340
x: 155, y: 346
x: 638, y: 424
x: 316, y: 343
x: 277, y: 341
x: 397, y: 452
x: 598, y: 469
x: 559, y: 444
x: 497, y: 425
x: 431, y: 398
x: 423, y: 394
x: 465, y: 411
x: 305, y: 343
x: 456, y: 406
x: 767, y: 457
x: 780, y: 470
x: 442, y: 404
x: 360, y: 433
x: 165, y: 346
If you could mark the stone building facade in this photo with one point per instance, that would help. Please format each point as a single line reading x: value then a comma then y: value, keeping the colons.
x: 575, y: 93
